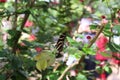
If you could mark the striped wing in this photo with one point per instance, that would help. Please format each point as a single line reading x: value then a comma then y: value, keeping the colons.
x: 60, y: 43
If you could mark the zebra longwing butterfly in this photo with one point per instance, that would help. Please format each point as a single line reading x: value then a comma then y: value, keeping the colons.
x: 60, y: 43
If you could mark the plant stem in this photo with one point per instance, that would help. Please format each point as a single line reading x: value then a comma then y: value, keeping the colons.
x: 96, y: 36
x: 66, y: 70
x: 16, y: 15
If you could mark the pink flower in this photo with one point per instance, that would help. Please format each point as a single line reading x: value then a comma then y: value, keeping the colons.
x: 100, y: 57
x: 73, y: 73
x: 22, y: 44
x: 55, y: 2
x: 101, y: 43
x: 104, y: 21
x: 28, y: 23
x: 116, y: 21
x: 102, y: 63
x: 38, y: 49
x: 3, y: 1
x: 118, y: 13
x: 116, y: 54
x: 103, y: 76
x: 32, y: 37
x: 5, y: 36
x: 116, y: 61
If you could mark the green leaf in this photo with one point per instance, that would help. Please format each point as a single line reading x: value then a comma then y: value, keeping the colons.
x: 41, y: 64
x: 1, y: 43
x: 107, y: 69
x: 27, y: 43
x: 108, y: 55
x: 107, y: 30
x: 53, y: 12
x: 74, y: 43
x: 44, y: 59
x: 93, y: 26
x: 2, y: 77
x: 71, y: 50
x: 78, y: 54
x: 80, y: 76
x: 18, y: 75
x: 16, y: 62
x: 117, y: 27
x: 107, y: 33
x: 23, y: 73
x: 2, y: 54
x: 114, y: 47
x: 10, y: 42
x: 48, y: 21
x: 53, y: 76
x: 88, y: 51
x: 107, y: 26
x: 12, y: 32
x: 70, y: 40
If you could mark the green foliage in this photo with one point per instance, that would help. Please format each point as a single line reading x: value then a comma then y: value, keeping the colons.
x: 20, y: 56
x: 44, y: 59
x: 108, y: 55
x: 2, y: 77
x: 117, y: 30
x: 114, y: 47
x: 107, y: 30
x: 81, y: 76
x: 107, y: 68
x: 73, y: 42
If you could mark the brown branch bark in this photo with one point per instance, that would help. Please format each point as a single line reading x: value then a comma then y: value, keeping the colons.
x: 18, y: 34
x: 96, y: 36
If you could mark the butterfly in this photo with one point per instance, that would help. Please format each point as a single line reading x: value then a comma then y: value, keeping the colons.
x: 60, y: 43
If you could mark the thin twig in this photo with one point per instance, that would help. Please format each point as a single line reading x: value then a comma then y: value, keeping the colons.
x: 16, y: 15
x: 96, y: 36
x: 66, y: 70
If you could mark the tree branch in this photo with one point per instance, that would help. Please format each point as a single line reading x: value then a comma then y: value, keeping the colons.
x: 18, y: 34
x: 96, y: 36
